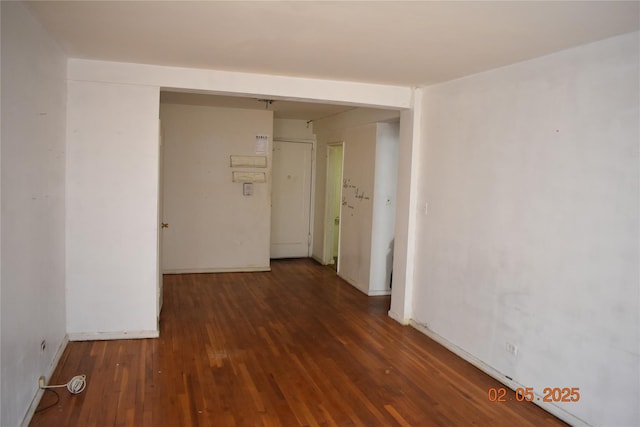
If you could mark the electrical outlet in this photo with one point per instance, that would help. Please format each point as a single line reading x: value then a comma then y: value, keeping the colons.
x: 511, y: 348
x: 41, y: 382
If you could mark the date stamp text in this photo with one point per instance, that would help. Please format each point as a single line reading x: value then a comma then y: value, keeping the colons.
x: 525, y: 394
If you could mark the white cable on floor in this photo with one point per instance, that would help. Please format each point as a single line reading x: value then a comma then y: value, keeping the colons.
x: 75, y: 386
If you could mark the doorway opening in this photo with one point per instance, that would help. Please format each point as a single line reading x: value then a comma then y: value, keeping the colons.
x: 291, y: 136
x: 333, y: 204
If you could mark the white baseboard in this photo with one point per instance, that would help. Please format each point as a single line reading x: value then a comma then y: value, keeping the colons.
x: 513, y: 385
x: 39, y: 392
x: 216, y: 270
x: 379, y: 293
x: 365, y: 291
x: 118, y: 335
x: 395, y: 316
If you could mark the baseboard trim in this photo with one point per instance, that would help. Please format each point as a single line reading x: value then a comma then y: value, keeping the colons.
x: 384, y: 292
x: 39, y: 392
x: 513, y: 385
x: 118, y: 335
x: 216, y: 270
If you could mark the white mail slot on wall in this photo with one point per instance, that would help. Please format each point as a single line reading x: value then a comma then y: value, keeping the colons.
x: 238, y: 176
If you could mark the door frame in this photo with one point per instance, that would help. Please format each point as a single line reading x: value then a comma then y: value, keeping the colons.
x: 327, y: 254
x: 160, y: 233
x: 312, y: 195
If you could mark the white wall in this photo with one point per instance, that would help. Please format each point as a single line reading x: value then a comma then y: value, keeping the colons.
x: 368, y: 200
x: 293, y: 129
x: 113, y: 142
x: 401, y: 307
x: 531, y: 177
x: 245, y: 84
x: 212, y: 226
x: 33, y: 197
x: 356, y: 215
x: 384, y: 207
x: 112, y: 197
x: 330, y: 130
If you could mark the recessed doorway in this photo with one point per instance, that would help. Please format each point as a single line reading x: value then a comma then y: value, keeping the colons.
x: 333, y: 204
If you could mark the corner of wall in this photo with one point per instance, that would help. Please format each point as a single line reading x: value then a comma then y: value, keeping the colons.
x: 39, y: 392
x: 402, y: 320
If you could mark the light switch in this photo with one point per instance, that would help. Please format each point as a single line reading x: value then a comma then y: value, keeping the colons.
x: 247, y: 189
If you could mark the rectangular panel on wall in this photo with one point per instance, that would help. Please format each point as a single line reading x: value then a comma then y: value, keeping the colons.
x: 249, y: 176
x: 248, y: 161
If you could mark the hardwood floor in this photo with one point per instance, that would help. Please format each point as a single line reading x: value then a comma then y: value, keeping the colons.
x: 294, y: 347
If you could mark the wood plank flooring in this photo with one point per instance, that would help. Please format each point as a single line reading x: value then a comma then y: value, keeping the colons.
x: 293, y: 347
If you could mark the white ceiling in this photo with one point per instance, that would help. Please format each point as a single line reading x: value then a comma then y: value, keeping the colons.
x: 409, y: 43
x: 406, y: 43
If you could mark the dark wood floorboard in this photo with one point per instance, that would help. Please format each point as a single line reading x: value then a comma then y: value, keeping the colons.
x: 296, y: 346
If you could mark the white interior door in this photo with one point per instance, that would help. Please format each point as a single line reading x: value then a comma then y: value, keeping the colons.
x: 291, y: 199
